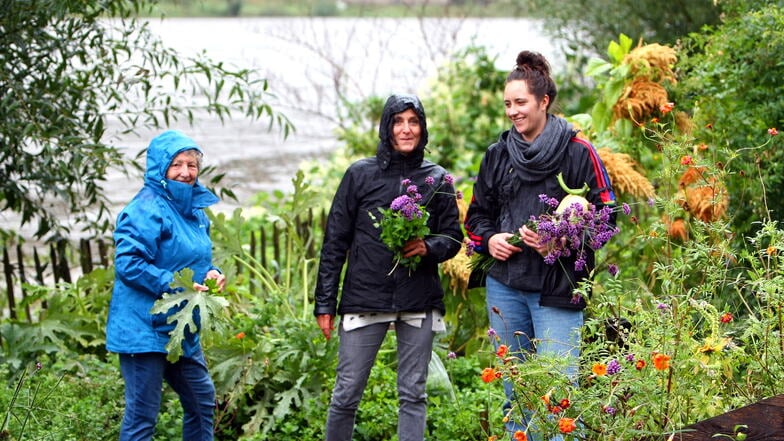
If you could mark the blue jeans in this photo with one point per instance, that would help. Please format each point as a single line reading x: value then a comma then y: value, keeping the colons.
x: 556, y: 331
x: 357, y: 354
x: 144, y: 375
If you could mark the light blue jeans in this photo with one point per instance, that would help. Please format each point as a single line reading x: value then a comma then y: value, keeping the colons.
x: 356, y: 355
x: 144, y: 375
x: 556, y: 331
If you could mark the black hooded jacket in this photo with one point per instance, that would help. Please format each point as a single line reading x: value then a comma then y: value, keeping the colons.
x: 370, y: 184
x: 502, y: 203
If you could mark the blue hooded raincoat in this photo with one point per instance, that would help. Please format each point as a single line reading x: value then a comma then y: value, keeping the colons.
x: 161, y: 231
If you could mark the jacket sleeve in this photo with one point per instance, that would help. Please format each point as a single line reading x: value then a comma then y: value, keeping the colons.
x: 338, y: 236
x: 480, y: 220
x: 445, y: 237
x: 137, y: 237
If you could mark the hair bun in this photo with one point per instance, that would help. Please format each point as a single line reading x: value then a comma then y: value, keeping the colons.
x: 533, y: 61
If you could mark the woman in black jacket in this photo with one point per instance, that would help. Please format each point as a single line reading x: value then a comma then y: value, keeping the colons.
x: 377, y: 292
x: 527, y: 299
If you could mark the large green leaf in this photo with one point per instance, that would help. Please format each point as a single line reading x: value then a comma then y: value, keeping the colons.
x: 206, y: 304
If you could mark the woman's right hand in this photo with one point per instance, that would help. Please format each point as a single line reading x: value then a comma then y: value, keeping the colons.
x: 327, y: 323
x: 500, y: 248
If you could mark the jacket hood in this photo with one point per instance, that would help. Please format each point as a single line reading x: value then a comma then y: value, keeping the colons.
x: 160, y: 153
x: 162, y: 150
x: 394, y: 105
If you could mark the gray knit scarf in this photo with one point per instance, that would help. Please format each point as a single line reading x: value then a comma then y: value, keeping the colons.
x: 533, y: 161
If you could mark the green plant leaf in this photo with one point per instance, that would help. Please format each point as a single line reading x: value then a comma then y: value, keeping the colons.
x: 190, y: 302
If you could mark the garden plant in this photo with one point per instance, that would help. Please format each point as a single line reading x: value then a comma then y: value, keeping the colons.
x: 684, y: 319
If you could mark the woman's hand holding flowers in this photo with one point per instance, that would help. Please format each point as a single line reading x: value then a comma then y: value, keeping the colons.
x: 414, y: 247
x: 500, y: 248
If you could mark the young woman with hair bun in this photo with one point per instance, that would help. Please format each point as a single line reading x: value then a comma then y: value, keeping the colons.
x: 528, y: 300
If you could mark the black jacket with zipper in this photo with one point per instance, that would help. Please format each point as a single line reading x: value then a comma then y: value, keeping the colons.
x: 370, y: 284
x: 501, y: 203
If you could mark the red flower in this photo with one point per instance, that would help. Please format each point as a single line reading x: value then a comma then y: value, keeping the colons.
x: 772, y: 131
x: 240, y: 335
x: 565, y: 403
x: 520, y: 436
x: 502, y: 350
x: 666, y: 108
x: 661, y: 361
x: 726, y: 317
x: 686, y: 160
x: 639, y: 365
x: 489, y: 374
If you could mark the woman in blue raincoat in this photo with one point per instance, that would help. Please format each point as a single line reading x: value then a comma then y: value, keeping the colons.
x: 161, y: 231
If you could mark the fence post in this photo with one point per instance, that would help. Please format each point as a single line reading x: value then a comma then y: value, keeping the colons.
x: 9, y: 283
x: 62, y: 261
x: 85, y: 256
x: 23, y: 279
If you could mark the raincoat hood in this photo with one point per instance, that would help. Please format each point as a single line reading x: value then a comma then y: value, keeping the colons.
x: 394, y: 105
x: 160, y: 153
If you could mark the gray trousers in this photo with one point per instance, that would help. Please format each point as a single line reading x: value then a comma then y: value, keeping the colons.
x: 356, y: 355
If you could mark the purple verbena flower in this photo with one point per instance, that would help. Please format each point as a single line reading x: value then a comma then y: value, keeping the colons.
x: 405, y: 182
x: 449, y: 179
x: 613, y: 367
x: 627, y: 210
x: 412, y: 189
x: 430, y: 180
x: 612, y: 269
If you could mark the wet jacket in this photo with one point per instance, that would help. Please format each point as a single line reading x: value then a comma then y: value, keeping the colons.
x: 370, y: 184
x: 502, y: 203
x: 161, y: 231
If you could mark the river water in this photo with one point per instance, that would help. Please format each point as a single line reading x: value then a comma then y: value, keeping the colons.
x: 309, y: 62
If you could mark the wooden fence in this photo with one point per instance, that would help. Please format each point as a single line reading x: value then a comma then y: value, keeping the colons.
x: 64, y: 261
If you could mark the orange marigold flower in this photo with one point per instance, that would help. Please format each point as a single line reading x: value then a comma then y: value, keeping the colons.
x: 492, y: 438
x: 566, y: 425
x: 502, y: 350
x: 565, y: 403
x: 771, y: 250
x: 546, y: 398
x: 639, y: 365
x: 666, y: 108
x: 654, y: 120
x: 702, y: 147
x: 772, y: 131
x: 600, y: 369
x: 520, y: 436
x: 488, y: 375
x: 661, y: 361
x: 240, y: 335
x: 686, y: 160
x: 726, y: 317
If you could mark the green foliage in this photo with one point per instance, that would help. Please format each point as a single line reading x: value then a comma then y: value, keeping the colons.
x: 67, y: 71
x: 51, y: 399
x: 74, y: 319
x: 587, y: 25
x: 190, y: 304
x: 730, y: 83
x: 465, y: 111
x: 274, y: 363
